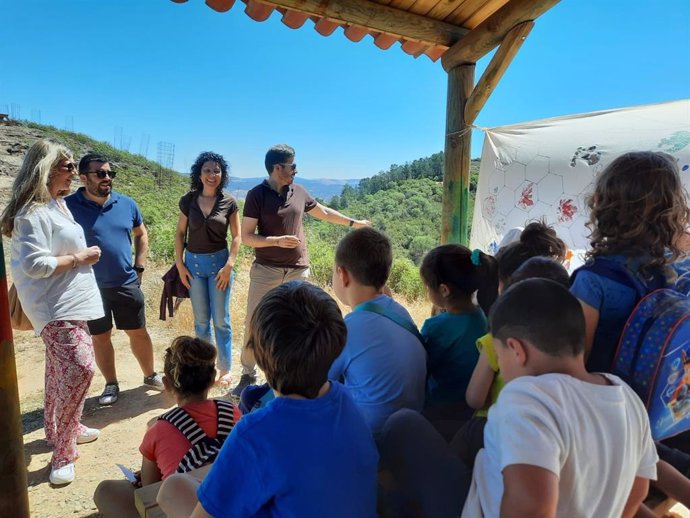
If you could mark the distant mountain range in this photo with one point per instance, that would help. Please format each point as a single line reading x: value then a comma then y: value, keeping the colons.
x: 322, y: 188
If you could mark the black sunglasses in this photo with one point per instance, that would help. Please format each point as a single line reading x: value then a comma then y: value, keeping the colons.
x: 103, y: 174
x: 69, y: 167
x: 292, y: 166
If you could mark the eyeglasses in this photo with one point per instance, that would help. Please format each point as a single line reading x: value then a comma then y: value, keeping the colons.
x: 69, y: 167
x: 292, y: 166
x: 102, y: 174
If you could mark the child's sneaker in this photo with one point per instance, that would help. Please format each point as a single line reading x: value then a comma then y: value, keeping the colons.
x: 154, y: 381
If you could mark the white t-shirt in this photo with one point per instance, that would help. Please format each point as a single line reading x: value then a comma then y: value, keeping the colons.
x: 39, y: 236
x: 595, y: 438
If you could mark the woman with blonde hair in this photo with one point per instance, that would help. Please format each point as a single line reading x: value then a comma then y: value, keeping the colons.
x: 51, y: 269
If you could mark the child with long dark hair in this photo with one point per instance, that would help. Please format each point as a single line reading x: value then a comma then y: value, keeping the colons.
x: 452, y: 274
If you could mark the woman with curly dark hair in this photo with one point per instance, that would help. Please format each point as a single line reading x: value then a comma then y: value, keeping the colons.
x: 638, y: 215
x: 206, y: 215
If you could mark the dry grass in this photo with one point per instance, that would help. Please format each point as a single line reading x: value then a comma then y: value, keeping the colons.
x: 183, y: 321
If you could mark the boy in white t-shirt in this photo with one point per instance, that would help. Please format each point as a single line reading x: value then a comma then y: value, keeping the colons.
x: 559, y: 442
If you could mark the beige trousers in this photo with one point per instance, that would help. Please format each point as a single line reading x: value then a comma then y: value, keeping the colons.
x: 263, y: 279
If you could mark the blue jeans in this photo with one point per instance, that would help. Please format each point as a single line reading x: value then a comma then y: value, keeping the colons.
x: 209, y: 302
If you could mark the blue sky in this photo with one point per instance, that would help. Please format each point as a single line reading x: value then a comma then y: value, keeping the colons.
x: 185, y: 74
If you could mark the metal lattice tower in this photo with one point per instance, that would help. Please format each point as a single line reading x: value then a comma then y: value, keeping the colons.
x: 166, y: 158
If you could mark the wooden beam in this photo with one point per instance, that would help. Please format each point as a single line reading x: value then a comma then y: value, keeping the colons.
x: 14, y: 497
x: 456, y: 158
x: 495, y: 70
x: 488, y: 34
x: 378, y: 18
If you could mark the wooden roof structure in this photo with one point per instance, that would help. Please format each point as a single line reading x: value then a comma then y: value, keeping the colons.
x: 422, y: 27
x: 458, y: 32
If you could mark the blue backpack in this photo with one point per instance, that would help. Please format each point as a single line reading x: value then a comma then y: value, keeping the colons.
x: 653, y: 353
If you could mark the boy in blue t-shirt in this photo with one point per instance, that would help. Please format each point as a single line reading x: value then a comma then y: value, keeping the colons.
x: 383, y: 365
x: 308, y: 453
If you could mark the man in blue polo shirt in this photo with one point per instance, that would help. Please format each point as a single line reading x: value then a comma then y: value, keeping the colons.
x: 113, y: 221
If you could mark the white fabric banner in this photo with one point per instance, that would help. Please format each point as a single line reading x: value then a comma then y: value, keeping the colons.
x: 545, y: 168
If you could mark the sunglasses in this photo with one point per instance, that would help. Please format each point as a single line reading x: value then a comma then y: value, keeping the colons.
x: 103, y: 174
x: 69, y: 167
x: 291, y: 166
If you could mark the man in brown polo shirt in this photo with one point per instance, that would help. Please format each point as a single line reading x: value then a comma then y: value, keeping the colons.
x: 272, y: 225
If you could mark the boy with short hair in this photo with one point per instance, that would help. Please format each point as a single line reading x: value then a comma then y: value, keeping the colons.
x: 308, y: 453
x: 560, y: 441
x: 383, y: 364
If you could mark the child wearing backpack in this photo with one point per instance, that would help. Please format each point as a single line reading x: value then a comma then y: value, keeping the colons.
x: 307, y: 453
x: 383, y: 364
x: 638, y: 216
x: 185, y: 438
x: 452, y: 274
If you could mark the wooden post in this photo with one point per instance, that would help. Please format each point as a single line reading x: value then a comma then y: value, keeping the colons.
x: 14, y: 497
x: 456, y: 160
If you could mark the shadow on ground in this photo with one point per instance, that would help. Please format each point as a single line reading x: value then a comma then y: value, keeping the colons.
x: 132, y: 402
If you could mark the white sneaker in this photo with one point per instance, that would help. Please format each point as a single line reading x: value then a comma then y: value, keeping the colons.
x: 63, y: 475
x: 88, y: 435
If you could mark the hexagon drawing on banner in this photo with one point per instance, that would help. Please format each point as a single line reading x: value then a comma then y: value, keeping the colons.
x: 489, y: 207
x: 577, y: 178
x: 578, y: 233
x: 526, y: 155
x: 505, y: 201
x: 515, y: 175
x: 582, y: 204
x: 500, y: 225
x: 550, y: 188
x: 539, y: 210
x: 500, y: 166
x: 496, y: 181
x: 537, y: 169
x: 526, y: 195
x: 566, y: 210
x: 516, y: 218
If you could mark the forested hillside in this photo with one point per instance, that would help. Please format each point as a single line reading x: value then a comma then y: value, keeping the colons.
x: 404, y: 202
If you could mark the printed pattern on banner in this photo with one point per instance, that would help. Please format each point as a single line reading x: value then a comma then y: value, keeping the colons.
x: 545, y: 169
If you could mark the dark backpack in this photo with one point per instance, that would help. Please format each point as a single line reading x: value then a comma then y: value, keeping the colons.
x: 654, y: 347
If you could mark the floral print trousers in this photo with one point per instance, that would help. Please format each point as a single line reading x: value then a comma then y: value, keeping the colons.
x: 69, y: 370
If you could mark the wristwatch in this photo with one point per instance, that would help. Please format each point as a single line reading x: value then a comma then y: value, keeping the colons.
x: 138, y: 269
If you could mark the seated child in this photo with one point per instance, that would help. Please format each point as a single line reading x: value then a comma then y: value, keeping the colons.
x: 559, y: 441
x: 452, y: 274
x: 383, y: 364
x: 189, y: 368
x: 308, y: 452
x: 538, y: 253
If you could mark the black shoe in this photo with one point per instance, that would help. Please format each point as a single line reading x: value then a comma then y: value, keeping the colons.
x: 110, y: 394
x: 245, y: 380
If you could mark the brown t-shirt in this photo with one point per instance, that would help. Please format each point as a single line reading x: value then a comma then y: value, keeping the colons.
x: 280, y: 215
x: 206, y: 235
